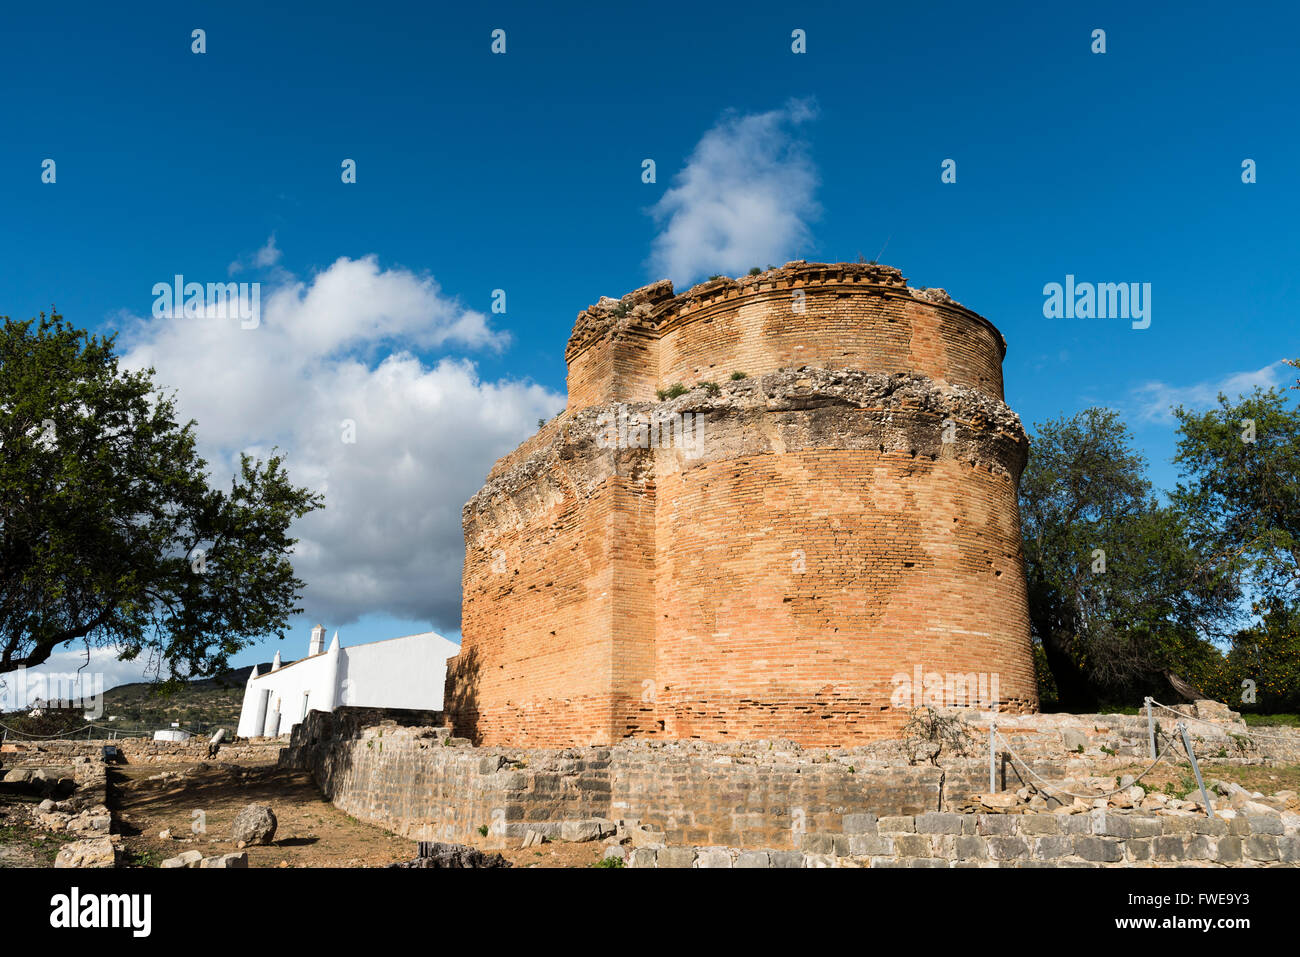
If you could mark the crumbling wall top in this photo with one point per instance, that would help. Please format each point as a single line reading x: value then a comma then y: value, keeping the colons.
x: 646, y: 310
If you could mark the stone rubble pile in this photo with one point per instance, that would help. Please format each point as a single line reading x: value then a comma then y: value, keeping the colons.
x: 436, y: 854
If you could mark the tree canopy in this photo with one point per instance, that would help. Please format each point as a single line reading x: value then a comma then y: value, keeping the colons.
x: 110, y: 534
x: 1115, y: 593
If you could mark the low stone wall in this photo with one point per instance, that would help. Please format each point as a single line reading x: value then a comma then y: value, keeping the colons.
x: 62, y: 753
x: 396, y: 770
x: 1099, y: 839
x: 423, y: 783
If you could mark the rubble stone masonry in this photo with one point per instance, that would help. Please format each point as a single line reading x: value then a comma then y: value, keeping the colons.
x: 843, y: 513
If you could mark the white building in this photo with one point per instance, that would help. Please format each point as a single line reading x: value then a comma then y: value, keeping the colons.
x: 397, y: 673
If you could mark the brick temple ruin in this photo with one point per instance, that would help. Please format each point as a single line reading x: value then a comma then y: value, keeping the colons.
x: 766, y: 499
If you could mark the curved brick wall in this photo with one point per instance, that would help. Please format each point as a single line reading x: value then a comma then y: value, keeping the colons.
x: 793, y: 606
x: 848, y: 515
x: 842, y: 316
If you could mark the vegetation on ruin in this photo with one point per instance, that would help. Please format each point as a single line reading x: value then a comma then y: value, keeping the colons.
x: 110, y: 534
x: 928, y: 733
x: 672, y: 392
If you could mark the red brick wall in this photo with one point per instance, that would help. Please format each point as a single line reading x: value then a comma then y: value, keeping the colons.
x: 839, y: 316
x: 793, y: 588
x: 614, y: 592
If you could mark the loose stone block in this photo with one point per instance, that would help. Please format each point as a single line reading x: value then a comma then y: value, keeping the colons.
x: 1170, y: 847
x: 1101, y: 849
x: 897, y: 825
x: 938, y: 823
x: 1265, y: 824
x: 1138, y: 849
x: 1144, y: 826
x: 1261, y: 847
x: 1040, y: 824
x: 860, y: 824
x: 674, y: 857
x: 1001, y: 824
x: 970, y: 847
x: 642, y: 857
x: 1229, y: 850
x: 1052, y: 847
x: 1007, y: 848
x: 712, y: 857
x: 1288, y: 849
x: 817, y: 843
x: 912, y: 845
x: 1109, y: 824
x: 870, y: 845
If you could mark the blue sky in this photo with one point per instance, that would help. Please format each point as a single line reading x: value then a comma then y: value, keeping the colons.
x: 522, y: 172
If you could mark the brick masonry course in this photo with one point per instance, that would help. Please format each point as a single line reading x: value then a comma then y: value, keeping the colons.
x: 849, y: 514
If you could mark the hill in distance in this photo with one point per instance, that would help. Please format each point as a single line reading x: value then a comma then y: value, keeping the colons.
x: 200, y: 705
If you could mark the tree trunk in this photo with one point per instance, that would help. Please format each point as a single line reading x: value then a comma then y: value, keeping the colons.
x: 1072, y: 688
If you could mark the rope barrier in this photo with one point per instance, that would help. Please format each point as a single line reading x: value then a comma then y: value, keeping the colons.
x: 41, y: 737
x: 1085, y: 797
x: 1245, y: 734
x: 78, y: 731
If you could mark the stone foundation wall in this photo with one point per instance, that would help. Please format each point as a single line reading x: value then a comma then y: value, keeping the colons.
x: 423, y: 783
x: 1100, y: 839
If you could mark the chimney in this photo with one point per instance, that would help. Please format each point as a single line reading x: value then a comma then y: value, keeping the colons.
x: 317, y: 640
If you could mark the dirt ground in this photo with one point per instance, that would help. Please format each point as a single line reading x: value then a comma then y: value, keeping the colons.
x: 21, y: 844
x: 558, y: 854
x: 1177, y: 779
x: 311, y: 832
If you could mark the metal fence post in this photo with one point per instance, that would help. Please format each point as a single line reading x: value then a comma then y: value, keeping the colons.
x: 1151, y: 728
x: 993, y: 773
x: 1196, y: 769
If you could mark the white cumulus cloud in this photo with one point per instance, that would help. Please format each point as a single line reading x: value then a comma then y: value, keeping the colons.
x: 341, y: 354
x: 745, y: 197
x: 1154, y: 400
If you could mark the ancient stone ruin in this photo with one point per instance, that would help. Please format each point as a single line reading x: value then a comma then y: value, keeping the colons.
x: 766, y: 500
